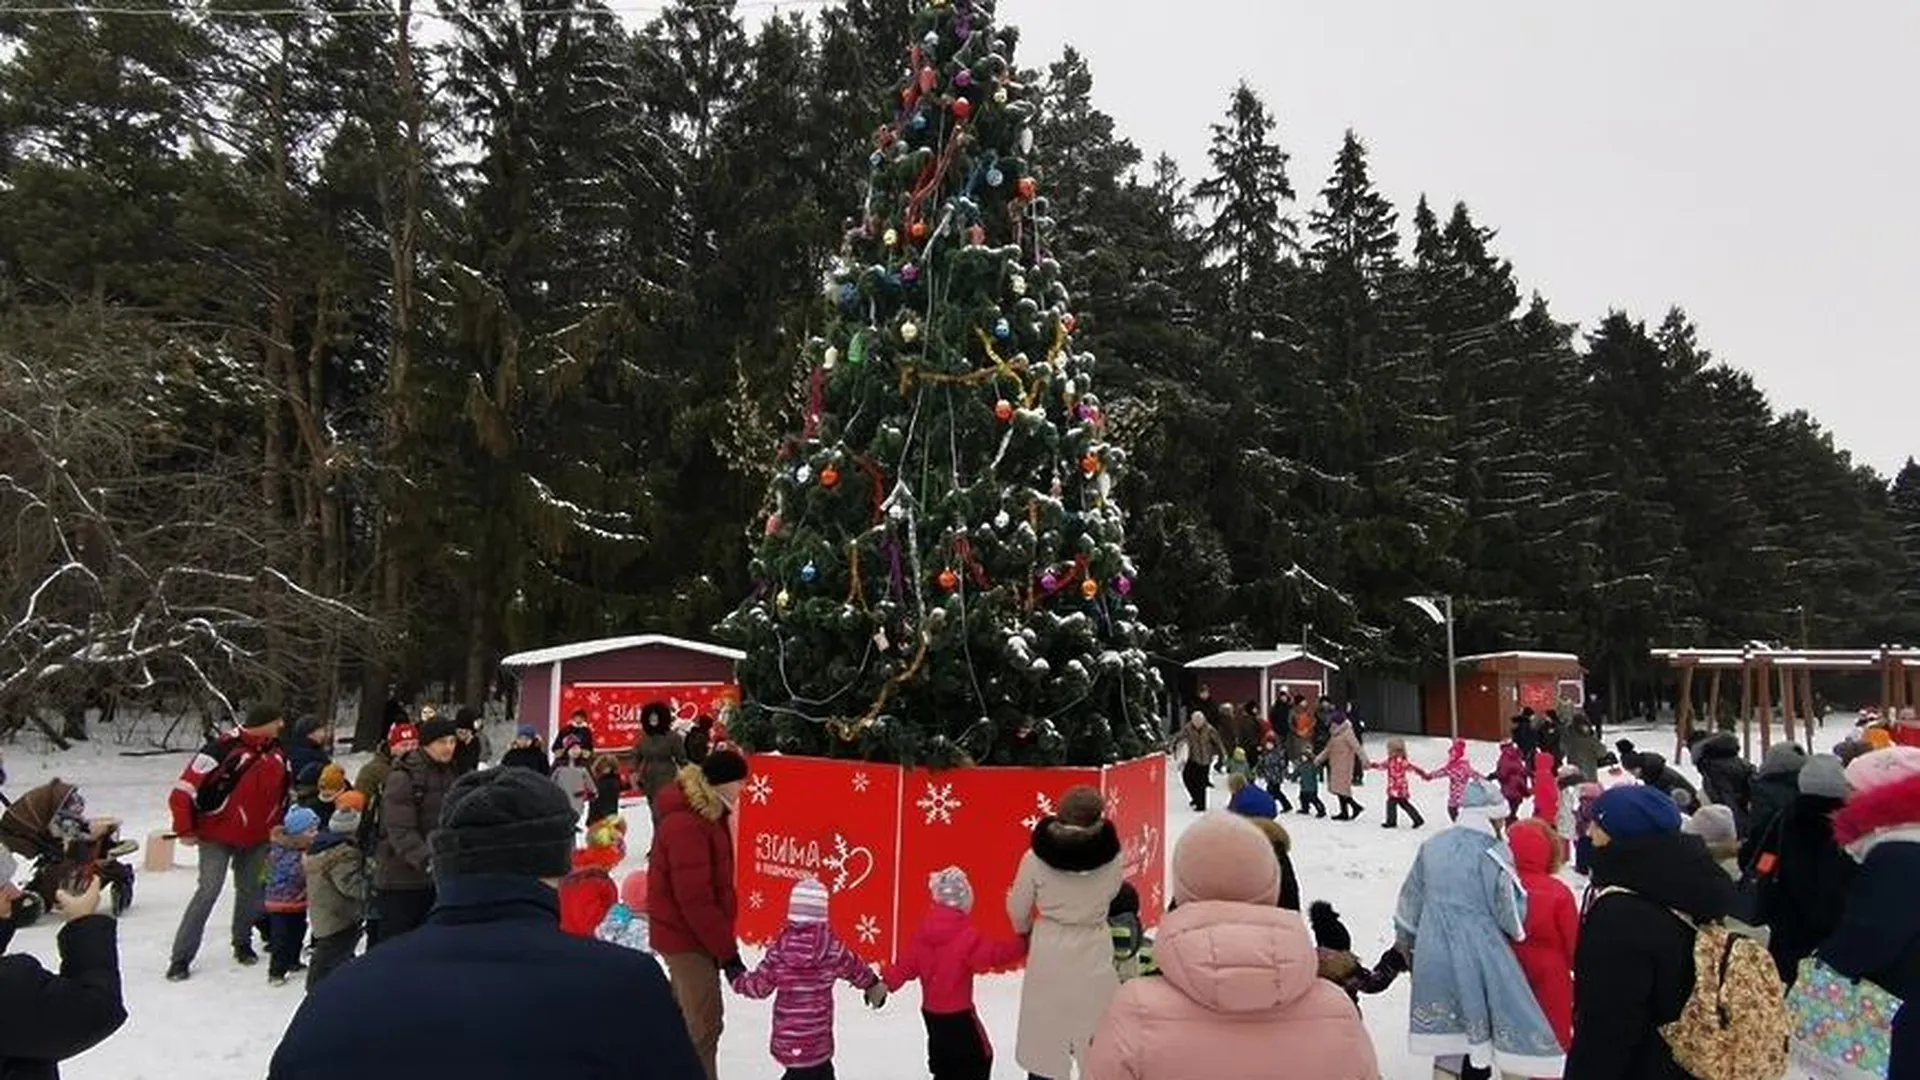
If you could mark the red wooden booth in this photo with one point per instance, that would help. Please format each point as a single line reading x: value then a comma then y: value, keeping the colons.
x: 613, y: 678
x: 1262, y: 675
x: 874, y: 833
x: 1495, y: 687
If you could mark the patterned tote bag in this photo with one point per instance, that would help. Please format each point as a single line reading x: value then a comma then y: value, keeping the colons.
x: 1841, y: 1028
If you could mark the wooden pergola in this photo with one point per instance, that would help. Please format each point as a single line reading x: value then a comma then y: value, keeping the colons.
x: 1763, y: 669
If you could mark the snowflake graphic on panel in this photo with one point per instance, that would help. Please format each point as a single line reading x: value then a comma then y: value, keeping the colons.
x: 939, y: 802
x: 1153, y: 772
x: 868, y: 928
x: 850, y: 864
x: 860, y: 781
x: 755, y: 900
x: 593, y: 698
x: 1113, y: 804
x: 1042, y: 807
x: 760, y: 789
x: 1153, y: 893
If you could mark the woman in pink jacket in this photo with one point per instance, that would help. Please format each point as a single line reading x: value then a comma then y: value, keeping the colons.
x: 1239, y: 993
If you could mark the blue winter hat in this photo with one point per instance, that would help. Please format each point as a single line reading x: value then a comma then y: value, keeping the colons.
x: 1484, y: 799
x: 528, y: 731
x: 1251, y: 801
x: 300, y: 821
x: 1632, y: 810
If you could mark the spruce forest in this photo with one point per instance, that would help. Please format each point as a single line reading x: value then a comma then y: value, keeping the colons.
x: 347, y: 348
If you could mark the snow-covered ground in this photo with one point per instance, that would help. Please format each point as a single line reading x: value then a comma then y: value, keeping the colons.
x: 224, y: 1023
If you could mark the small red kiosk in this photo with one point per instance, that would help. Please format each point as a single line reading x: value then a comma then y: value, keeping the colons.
x: 612, y: 678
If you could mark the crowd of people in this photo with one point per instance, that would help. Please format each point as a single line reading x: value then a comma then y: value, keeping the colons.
x: 472, y: 885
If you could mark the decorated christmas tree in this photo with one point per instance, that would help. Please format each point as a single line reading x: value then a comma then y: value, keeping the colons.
x: 942, y: 578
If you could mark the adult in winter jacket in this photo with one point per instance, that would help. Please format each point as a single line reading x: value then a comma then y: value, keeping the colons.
x: 1803, y: 893
x: 1525, y: 733
x: 1774, y: 790
x: 579, y: 728
x: 46, y: 1018
x: 227, y: 803
x: 1552, y: 923
x: 309, y: 742
x: 1878, y: 938
x: 659, y: 752
x: 698, y: 740
x: 1633, y: 971
x: 526, y: 752
x: 1583, y: 747
x: 1343, y: 754
x: 504, y: 841
x: 690, y: 895
x: 1239, y: 990
x: 1725, y: 777
x: 1066, y: 881
x: 1203, y: 748
x: 472, y: 748
x: 1653, y: 771
x: 410, y: 805
x: 1458, y: 910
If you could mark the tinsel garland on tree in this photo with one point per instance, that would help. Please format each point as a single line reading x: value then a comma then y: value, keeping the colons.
x: 942, y: 577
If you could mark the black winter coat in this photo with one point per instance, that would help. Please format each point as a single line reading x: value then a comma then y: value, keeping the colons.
x: 1773, y: 793
x: 407, y: 1010
x: 1879, y: 939
x: 47, y: 1018
x: 1633, y: 968
x: 1655, y: 772
x: 1802, y: 899
x: 1725, y: 777
x: 526, y: 757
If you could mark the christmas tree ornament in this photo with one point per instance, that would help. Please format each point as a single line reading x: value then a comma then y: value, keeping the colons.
x: 1000, y: 96
x: 1018, y: 284
x: 1089, y: 588
x: 928, y: 79
x: 1003, y: 410
x: 909, y: 331
x: 877, y: 158
x: 1025, y: 141
x: 857, y: 348
x: 803, y: 474
x: 809, y: 572
x: 890, y: 238
x: 1002, y: 519
x: 782, y: 600
x: 948, y: 580
x: 1049, y: 582
x: 962, y: 108
x: 909, y: 274
x: 976, y: 235
x: 917, y: 230
x: 932, y: 40
x: 1028, y: 187
x: 773, y: 524
x: 1090, y: 463
x: 995, y: 177
x: 829, y: 477
x: 829, y: 358
x: 1069, y: 323
x: 1123, y: 585
x: 1002, y: 329
x: 919, y: 122
x: 963, y: 78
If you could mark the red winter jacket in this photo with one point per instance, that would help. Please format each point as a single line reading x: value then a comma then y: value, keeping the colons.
x: 1553, y: 926
x: 945, y: 954
x: 254, y: 806
x: 690, y: 897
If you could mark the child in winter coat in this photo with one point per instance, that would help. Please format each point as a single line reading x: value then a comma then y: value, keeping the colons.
x: 337, y: 879
x: 1398, y: 768
x: 1238, y: 765
x: 586, y: 895
x: 605, y: 803
x: 1338, y: 964
x: 946, y: 952
x: 798, y: 972
x: 1456, y: 772
x: 1552, y: 923
x: 570, y: 772
x: 1132, y: 949
x: 1272, y: 767
x: 286, y: 898
x: 1546, y: 789
x: 1306, y: 772
x: 626, y: 922
x: 1511, y: 774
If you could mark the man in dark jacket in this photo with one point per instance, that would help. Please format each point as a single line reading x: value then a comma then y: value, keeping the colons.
x: 690, y: 898
x: 1725, y: 777
x: 472, y: 749
x: 47, y: 1018
x: 1526, y: 734
x: 1633, y: 968
x: 1653, y: 770
x: 1803, y: 891
x: 408, y: 1010
x: 1774, y: 790
x: 410, y: 804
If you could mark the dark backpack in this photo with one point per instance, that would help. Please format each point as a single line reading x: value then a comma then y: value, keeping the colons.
x: 233, y: 759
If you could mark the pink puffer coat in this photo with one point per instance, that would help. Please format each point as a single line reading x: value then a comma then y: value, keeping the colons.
x: 1239, y: 996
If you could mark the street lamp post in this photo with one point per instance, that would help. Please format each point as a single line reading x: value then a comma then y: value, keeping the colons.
x: 1440, y: 610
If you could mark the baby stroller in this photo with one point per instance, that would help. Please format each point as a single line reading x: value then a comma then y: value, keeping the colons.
x: 49, y: 827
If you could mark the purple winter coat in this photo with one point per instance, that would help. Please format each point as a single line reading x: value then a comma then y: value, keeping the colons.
x: 799, y: 970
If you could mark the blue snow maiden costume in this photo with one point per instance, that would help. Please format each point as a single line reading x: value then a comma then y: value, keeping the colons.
x: 1460, y: 909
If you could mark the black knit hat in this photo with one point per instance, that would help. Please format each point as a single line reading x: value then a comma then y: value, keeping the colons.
x: 1328, y: 931
x: 504, y: 821
x: 723, y: 766
x: 432, y: 731
x: 467, y: 717
x: 262, y: 715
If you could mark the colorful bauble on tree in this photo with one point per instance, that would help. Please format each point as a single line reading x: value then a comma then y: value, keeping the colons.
x: 917, y: 230
x: 809, y: 573
x: 1028, y: 187
x: 829, y: 477
x: 1049, y: 582
x: 1003, y: 410
x: 1002, y: 329
x: 948, y: 580
x: 1123, y: 585
x: 891, y: 238
x: 1090, y: 464
x: 909, y: 331
x: 962, y: 108
x: 1089, y: 588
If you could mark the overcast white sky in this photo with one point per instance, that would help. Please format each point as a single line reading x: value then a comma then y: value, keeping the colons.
x: 1755, y: 161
